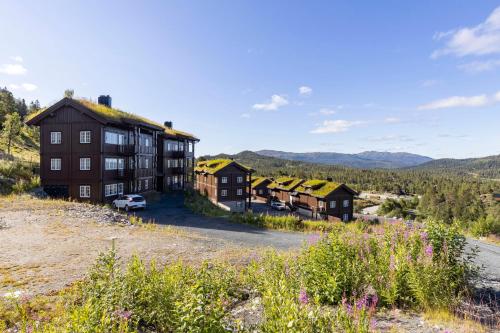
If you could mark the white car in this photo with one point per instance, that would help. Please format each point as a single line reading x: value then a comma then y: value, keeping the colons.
x: 130, y: 201
x: 278, y: 205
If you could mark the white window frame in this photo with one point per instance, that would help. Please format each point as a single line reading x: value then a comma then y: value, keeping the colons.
x: 114, y: 138
x: 84, y: 163
x: 223, y: 180
x: 84, y: 191
x: 146, y: 184
x: 320, y: 204
x: 345, y: 217
x: 55, y: 138
x: 223, y: 193
x: 239, y: 179
x: 333, y: 204
x: 119, y: 188
x: 85, y: 136
x: 110, y: 190
x: 260, y: 191
x: 146, y: 163
x: 239, y: 191
x: 346, y: 203
x: 55, y: 164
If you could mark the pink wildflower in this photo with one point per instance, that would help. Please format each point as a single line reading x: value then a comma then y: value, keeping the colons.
x: 313, y: 239
x: 423, y: 236
x: 428, y: 250
x: 303, y: 298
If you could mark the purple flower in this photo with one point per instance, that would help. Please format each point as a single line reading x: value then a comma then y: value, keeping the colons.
x: 361, y: 303
x: 374, y: 301
x: 123, y: 314
x: 392, y: 264
x: 428, y: 250
x: 303, y: 298
x: 373, y: 324
x: 423, y: 236
x: 313, y: 239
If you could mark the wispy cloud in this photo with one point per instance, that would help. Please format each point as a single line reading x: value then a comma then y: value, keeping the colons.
x: 23, y: 86
x: 17, y: 58
x: 391, y: 138
x: 479, y: 66
x: 276, y: 102
x: 457, y: 102
x: 245, y: 115
x: 336, y: 126
x: 482, y: 39
x: 392, y: 120
x: 13, y: 69
x: 305, y: 91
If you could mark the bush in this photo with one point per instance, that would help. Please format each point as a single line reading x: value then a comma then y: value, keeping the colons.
x: 485, y: 226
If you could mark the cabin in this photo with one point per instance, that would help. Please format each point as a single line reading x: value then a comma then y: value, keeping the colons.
x: 324, y: 199
x: 92, y: 152
x: 259, y: 188
x: 282, y: 187
x: 226, y: 183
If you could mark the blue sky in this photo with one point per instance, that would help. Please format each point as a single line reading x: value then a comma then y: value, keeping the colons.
x: 343, y: 76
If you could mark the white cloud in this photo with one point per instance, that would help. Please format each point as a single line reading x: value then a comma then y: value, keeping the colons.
x: 482, y: 39
x: 305, y: 91
x: 335, y: 126
x: 245, y: 115
x: 24, y: 86
x: 327, y: 111
x: 456, y: 102
x: 17, y: 58
x: 391, y: 120
x: 276, y: 102
x: 497, y: 96
x: 13, y: 69
x: 479, y: 66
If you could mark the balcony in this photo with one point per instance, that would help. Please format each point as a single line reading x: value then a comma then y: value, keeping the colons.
x: 118, y: 149
x: 145, y: 150
x: 176, y: 154
x: 118, y: 174
x: 177, y: 171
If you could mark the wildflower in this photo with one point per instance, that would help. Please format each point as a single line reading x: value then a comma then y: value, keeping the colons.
x: 303, y: 298
x: 428, y: 250
x: 313, y: 239
x: 392, y: 263
x: 374, y: 301
x: 123, y: 314
x: 423, y: 236
x: 361, y: 303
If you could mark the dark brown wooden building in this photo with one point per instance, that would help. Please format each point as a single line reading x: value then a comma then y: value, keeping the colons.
x: 324, y: 199
x: 90, y: 151
x: 282, y: 187
x: 225, y: 182
x: 259, y: 188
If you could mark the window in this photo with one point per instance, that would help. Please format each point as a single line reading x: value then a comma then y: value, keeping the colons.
x: 223, y: 193
x: 139, y: 185
x: 84, y: 191
x: 333, y: 204
x: 239, y: 191
x: 120, y: 188
x: 55, y: 164
x: 320, y: 204
x: 239, y: 204
x: 111, y: 189
x: 84, y: 136
x: 346, y: 203
x: 260, y: 191
x: 239, y: 179
x: 111, y: 163
x: 190, y: 147
x: 146, y: 163
x: 147, y: 141
x: 85, y: 163
x: 223, y: 180
x: 175, y: 180
x: 345, y: 217
x: 114, y: 138
x: 146, y: 183
x: 169, y: 181
x: 55, y: 138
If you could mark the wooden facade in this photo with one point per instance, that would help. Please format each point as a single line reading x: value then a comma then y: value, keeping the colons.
x: 92, y: 152
x: 225, y: 183
x: 281, y: 188
x: 259, y: 188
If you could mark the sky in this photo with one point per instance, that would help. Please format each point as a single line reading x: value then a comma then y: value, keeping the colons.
x: 340, y: 76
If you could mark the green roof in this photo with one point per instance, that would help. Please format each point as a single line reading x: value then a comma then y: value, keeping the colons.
x: 212, y: 166
x: 256, y: 181
x: 317, y: 187
x: 285, y: 183
x: 119, y: 116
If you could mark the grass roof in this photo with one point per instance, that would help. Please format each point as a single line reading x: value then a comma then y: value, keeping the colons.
x: 317, y: 187
x: 212, y: 166
x: 256, y: 181
x: 285, y: 183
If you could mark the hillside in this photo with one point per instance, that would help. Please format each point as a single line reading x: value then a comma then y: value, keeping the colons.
x: 364, y: 160
x: 393, y: 180
x: 484, y: 167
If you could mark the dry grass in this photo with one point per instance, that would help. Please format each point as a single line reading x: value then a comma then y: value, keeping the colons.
x: 444, y: 317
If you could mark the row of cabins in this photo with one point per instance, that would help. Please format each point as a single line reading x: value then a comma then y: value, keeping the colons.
x: 231, y: 186
x: 93, y: 152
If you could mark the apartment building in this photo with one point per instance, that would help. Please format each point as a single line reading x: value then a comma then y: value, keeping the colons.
x: 91, y: 151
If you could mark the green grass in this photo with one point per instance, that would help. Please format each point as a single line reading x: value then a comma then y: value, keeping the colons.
x: 335, y: 284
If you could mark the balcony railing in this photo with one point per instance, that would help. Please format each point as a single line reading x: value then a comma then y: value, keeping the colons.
x: 145, y: 150
x: 120, y: 174
x: 118, y: 149
x: 177, y: 170
x: 176, y: 154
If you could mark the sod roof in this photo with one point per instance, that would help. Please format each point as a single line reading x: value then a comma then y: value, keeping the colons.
x: 317, y: 187
x: 213, y: 166
x: 285, y: 183
x: 116, y: 116
x: 256, y: 181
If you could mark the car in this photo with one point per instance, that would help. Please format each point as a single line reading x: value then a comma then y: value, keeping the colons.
x: 278, y: 205
x: 129, y: 201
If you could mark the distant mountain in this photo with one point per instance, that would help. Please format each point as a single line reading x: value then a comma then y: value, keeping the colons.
x: 485, y: 167
x: 364, y: 160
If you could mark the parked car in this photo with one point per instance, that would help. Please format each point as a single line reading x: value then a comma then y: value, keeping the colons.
x: 130, y: 201
x: 278, y: 205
